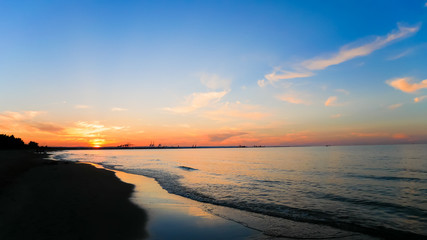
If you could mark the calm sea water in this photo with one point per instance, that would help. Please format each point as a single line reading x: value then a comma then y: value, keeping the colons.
x: 379, y: 190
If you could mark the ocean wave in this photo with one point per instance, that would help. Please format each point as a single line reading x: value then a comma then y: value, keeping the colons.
x: 187, y: 168
x: 414, y: 211
x: 387, y: 178
x: 171, y: 183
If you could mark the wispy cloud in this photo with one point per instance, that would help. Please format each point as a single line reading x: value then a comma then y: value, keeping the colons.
x: 338, y: 115
x: 295, y: 98
x: 262, y: 83
x: 119, y: 127
x: 213, y: 81
x: 345, y: 53
x: 400, y: 55
x: 405, y: 84
x: 117, y: 109
x: 27, y: 121
x: 281, y: 74
x: 47, y: 127
x: 87, y: 129
x: 82, y: 106
x: 394, y: 106
x: 19, y: 116
x: 331, y: 101
x: 351, y: 51
x: 90, y: 129
x: 420, y: 99
x: 198, y: 100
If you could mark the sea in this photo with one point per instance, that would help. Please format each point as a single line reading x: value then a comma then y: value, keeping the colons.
x: 376, y: 190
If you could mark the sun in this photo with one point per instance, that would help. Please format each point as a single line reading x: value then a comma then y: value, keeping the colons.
x: 97, y: 143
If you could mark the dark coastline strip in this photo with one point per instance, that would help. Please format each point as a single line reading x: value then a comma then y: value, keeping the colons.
x: 43, y: 199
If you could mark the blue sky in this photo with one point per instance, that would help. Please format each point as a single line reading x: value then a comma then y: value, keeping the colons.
x: 251, y: 72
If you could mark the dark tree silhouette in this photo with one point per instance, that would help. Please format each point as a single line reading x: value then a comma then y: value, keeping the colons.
x: 33, y: 145
x: 11, y: 142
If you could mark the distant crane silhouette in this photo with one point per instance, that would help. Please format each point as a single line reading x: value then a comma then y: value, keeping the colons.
x: 127, y: 145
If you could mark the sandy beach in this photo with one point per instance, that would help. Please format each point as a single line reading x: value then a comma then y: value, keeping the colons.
x: 43, y: 199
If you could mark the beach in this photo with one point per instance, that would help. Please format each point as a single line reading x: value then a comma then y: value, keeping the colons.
x: 44, y: 199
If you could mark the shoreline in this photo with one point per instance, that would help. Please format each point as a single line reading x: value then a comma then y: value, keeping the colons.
x: 175, y: 217
x: 150, y: 195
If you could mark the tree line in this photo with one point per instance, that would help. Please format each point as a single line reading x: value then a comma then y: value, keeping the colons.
x: 12, y: 142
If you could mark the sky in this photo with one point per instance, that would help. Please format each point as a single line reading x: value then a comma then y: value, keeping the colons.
x: 214, y: 73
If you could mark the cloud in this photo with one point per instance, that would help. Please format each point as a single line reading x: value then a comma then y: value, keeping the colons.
x: 405, y: 85
x: 47, y: 127
x: 370, y: 134
x: 342, y: 91
x: 262, y: 83
x: 19, y: 116
x: 345, y: 53
x: 213, y: 81
x: 420, y: 99
x: 394, y: 106
x: 198, y: 100
x: 400, y: 55
x: 281, y: 74
x: 117, y: 109
x: 82, y: 106
x: 350, y: 51
x: 85, y: 129
x: 400, y: 136
x: 292, y: 98
x: 26, y: 121
x: 338, y: 115
x: 331, y: 101
x: 119, y: 127
x: 223, y: 136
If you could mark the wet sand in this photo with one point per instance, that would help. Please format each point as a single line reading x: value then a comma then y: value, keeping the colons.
x: 176, y: 217
x: 43, y: 199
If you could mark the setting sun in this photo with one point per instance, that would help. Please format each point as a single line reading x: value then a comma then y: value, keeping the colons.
x: 97, y: 143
